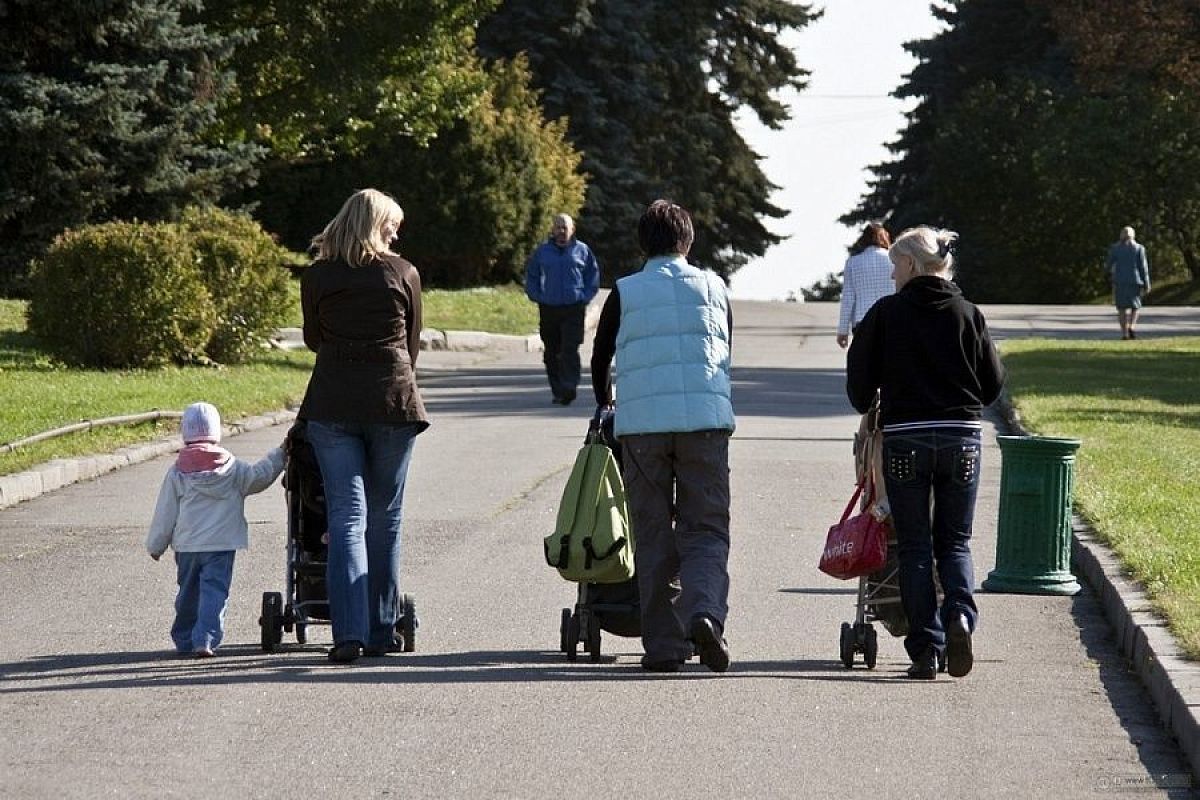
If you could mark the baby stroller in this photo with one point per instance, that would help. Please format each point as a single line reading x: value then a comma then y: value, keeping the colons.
x: 306, y: 600
x: 612, y: 607
x: 878, y: 596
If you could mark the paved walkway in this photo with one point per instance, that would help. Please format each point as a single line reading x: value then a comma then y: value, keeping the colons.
x: 487, y: 706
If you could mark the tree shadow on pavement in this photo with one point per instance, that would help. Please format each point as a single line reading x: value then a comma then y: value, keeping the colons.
x: 757, y: 391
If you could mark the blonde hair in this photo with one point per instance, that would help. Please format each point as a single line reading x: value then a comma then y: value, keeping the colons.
x: 356, y: 234
x: 929, y: 248
x: 1127, y: 234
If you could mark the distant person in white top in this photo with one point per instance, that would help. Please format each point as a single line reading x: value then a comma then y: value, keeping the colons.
x: 201, y: 515
x: 868, y: 277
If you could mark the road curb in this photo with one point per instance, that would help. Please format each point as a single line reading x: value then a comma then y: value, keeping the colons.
x: 44, y: 478
x: 1141, y: 633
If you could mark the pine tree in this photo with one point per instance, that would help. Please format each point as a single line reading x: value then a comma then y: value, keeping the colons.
x: 103, y: 112
x: 650, y: 90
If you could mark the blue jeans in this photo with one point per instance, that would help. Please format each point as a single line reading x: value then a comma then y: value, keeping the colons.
x: 204, y: 580
x: 363, y: 467
x: 941, y: 464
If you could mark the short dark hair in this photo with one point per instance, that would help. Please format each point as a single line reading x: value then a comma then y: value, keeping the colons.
x: 665, y: 229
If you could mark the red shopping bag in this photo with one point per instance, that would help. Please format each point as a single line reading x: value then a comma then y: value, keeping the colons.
x: 857, y: 545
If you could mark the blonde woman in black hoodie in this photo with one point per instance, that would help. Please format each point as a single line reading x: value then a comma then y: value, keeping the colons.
x: 928, y: 352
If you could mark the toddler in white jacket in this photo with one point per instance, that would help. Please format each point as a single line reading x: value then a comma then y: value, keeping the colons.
x: 201, y: 515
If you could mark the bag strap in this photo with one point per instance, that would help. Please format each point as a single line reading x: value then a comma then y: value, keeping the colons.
x: 591, y: 554
x: 564, y: 552
x: 850, y: 506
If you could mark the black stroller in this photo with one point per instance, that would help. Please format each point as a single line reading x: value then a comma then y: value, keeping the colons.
x: 878, y: 596
x: 612, y: 607
x: 306, y: 600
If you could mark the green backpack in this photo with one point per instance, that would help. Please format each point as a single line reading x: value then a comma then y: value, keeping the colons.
x: 592, y: 541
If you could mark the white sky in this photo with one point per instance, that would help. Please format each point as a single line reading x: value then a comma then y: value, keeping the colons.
x: 839, y: 127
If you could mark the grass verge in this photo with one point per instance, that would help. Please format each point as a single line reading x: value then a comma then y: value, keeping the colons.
x: 501, y: 309
x: 1136, y: 407
x: 38, y: 394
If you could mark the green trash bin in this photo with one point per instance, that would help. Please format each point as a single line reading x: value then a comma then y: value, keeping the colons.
x: 1033, y: 538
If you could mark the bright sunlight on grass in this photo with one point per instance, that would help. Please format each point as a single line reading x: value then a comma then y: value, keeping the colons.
x: 38, y: 394
x: 1136, y: 407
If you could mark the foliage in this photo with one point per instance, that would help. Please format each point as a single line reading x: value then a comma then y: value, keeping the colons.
x: 103, y: 110
x: 1135, y: 407
x: 324, y: 77
x: 121, y: 295
x: 1036, y: 140
x: 242, y: 267
x: 477, y: 198
x: 650, y: 90
x: 828, y: 288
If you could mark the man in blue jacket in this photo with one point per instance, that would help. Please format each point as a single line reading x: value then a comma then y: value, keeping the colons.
x: 562, y: 277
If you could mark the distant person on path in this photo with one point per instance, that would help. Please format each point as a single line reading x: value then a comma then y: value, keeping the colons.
x: 201, y: 515
x: 670, y: 328
x: 1130, y: 273
x: 362, y: 316
x: 562, y: 277
x: 866, y: 278
x: 928, y: 352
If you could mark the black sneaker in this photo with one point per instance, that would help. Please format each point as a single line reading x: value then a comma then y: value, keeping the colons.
x: 924, y: 667
x: 345, y: 653
x: 959, y: 657
x: 710, y: 644
x: 661, y: 664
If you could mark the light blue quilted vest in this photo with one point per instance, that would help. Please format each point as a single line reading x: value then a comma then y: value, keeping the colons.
x: 672, y: 350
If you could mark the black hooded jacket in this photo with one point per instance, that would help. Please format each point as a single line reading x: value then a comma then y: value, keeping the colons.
x: 929, y: 352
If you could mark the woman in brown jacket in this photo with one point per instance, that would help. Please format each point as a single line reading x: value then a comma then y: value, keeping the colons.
x: 362, y: 317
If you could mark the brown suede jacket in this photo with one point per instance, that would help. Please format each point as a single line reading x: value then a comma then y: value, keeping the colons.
x: 364, y: 323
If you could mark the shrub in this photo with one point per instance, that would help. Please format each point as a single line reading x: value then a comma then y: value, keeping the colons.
x: 121, y: 295
x: 243, y: 269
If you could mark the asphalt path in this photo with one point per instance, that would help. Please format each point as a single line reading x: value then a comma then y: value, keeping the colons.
x: 94, y: 704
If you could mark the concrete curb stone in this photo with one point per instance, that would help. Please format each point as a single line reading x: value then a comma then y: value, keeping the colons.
x: 60, y: 472
x: 1142, y: 635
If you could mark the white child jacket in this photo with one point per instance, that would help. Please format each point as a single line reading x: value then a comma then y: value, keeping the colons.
x: 205, y: 511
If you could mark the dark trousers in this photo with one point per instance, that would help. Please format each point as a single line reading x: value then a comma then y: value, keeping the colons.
x: 561, y: 329
x: 942, y: 465
x: 677, y: 485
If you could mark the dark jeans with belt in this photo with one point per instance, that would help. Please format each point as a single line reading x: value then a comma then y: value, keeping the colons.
x: 939, y: 465
x: 561, y: 329
x: 677, y: 485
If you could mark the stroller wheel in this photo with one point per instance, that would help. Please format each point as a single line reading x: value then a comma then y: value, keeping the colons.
x: 563, y: 627
x: 573, y: 638
x: 593, y: 637
x: 407, y: 624
x: 870, y: 646
x: 271, y: 621
x: 846, y: 645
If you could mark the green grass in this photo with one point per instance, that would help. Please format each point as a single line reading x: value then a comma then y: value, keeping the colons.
x: 495, y: 310
x: 1176, y: 294
x: 1136, y: 408
x: 38, y: 394
x: 503, y: 309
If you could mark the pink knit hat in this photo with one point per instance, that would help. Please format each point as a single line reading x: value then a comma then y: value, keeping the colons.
x: 201, y: 423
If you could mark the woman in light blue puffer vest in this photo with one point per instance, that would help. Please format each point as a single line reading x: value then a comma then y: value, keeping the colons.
x: 670, y: 328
